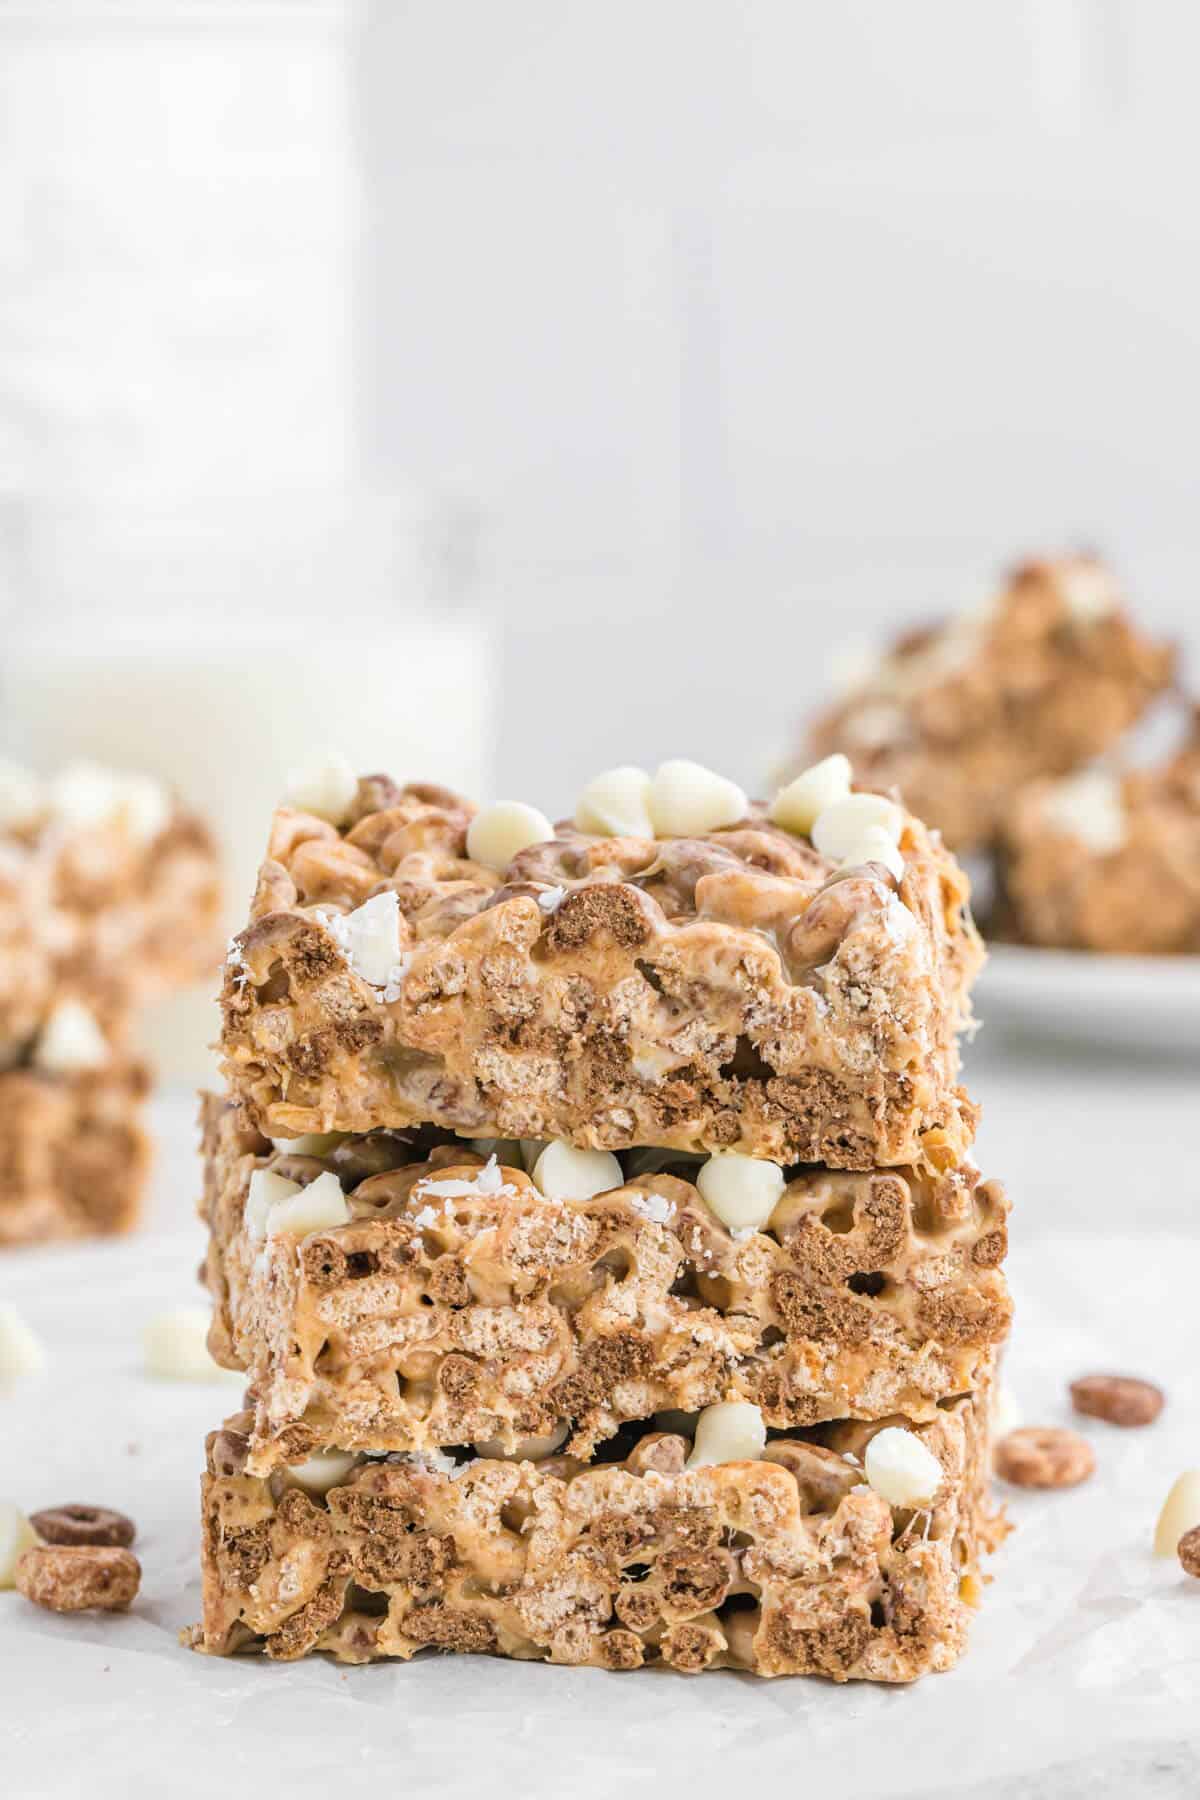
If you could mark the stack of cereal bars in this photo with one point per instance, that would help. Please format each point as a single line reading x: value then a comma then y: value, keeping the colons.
x: 109, y: 896
x: 593, y: 1216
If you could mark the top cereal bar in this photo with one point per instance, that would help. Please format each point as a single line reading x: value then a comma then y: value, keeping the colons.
x: 676, y: 966
x: 960, y: 715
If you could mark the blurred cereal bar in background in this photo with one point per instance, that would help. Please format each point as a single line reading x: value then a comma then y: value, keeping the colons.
x: 109, y: 897
x: 961, y: 715
x: 1106, y: 860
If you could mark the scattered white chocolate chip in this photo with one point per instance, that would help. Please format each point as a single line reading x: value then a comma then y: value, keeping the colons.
x: 318, y: 1207
x: 730, y: 1431
x: 499, y: 832
x: 1088, y: 806
x: 685, y: 799
x: 838, y: 828
x: 325, y: 786
x: 874, y: 845
x: 71, y: 1041
x: 175, y: 1347
x: 370, y: 938
x: 1088, y: 589
x: 563, y: 1173
x: 266, y: 1190
x: 320, y: 1472
x: 798, y: 805
x: 145, y: 806
x: 311, y: 1143
x: 20, y: 1351
x: 901, y: 1469
x: 16, y: 1534
x: 615, y: 804
x: 1006, y: 1411
x: 527, y: 1449
x: 743, y: 1191
x: 1180, y: 1513
x: 21, y: 799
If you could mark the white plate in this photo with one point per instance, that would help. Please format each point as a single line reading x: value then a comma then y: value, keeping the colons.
x: 1140, y: 1003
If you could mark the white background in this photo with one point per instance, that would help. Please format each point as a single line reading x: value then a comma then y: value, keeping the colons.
x: 747, y: 328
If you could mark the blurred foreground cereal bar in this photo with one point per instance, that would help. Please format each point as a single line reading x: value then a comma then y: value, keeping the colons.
x: 960, y: 716
x: 592, y: 1215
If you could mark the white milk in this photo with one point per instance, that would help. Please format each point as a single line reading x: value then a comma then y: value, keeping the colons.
x: 222, y: 717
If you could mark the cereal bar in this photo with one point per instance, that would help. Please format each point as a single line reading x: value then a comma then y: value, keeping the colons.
x: 74, y: 1154
x: 457, y: 1303
x: 776, y: 982
x: 959, y: 716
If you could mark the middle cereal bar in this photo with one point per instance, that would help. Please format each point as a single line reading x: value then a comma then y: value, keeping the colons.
x: 395, y: 1292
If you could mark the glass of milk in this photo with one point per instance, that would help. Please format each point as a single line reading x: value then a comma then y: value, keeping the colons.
x: 220, y: 645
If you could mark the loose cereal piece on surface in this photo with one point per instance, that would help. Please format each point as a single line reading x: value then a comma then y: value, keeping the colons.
x: 1119, y: 1399
x: 1044, y: 1456
x: 77, y: 1524
x: 78, y: 1578
x: 1188, y: 1550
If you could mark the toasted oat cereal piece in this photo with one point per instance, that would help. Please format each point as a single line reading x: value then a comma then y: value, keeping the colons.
x: 78, y: 1577
x: 961, y: 715
x: 736, y: 988
x: 1120, y: 1399
x: 76, y: 1524
x: 1188, y: 1551
x: 1044, y: 1456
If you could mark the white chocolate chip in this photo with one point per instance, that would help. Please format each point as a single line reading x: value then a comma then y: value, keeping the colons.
x: 730, y: 1431
x: 563, y: 1173
x: 311, y: 1143
x: 20, y: 1351
x: 318, y: 1207
x: 326, y: 786
x: 16, y: 1534
x: 84, y: 796
x: 320, y: 1473
x: 840, y: 827
x: 615, y: 804
x: 874, y: 845
x: 901, y: 1469
x: 145, y: 807
x: 21, y: 799
x: 71, y: 1041
x: 370, y: 938
x: 1180, y: 1513
x: 265, y: 1191
x: 1088, y: 806
x: 499, y: 832
x: 685, y: 800
x: 1088, y: 589
x: 743, y: 1191
x: 175, y: 1346
x: 527, y: 1449
x: 798, y: 805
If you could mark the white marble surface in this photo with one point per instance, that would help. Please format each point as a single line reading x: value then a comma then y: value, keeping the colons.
x: 1085, y: 1663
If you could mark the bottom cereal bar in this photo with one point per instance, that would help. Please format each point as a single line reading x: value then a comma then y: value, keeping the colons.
x: 790, y: 1564
x: 73, y: 1152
